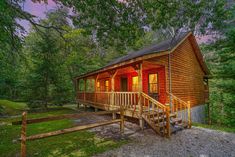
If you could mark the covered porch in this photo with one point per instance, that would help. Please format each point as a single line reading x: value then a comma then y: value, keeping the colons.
x: 124, y: 86
x: 138, y: 89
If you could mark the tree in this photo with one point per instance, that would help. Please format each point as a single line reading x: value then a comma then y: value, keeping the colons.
x: 221, y: 59
x: 47, y: 79
x: 121, y: 23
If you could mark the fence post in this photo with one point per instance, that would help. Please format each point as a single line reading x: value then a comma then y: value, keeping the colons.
x: 168, y: 120
x: 23, y: 135
x: 189, y: 115
x: 122, y: 120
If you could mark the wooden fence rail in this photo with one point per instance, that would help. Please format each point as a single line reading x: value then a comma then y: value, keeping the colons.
x: 24, y: 123
x: 68, y: 116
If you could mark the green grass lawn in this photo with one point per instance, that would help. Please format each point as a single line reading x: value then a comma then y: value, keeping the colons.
x: 11, y: 108
x: 215, y: 127
x: 82, y: 143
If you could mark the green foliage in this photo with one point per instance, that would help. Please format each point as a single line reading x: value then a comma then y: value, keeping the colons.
x: 10, y: 30
x: 215, y: 127
x: 47, y: 78
x: 121, y: 23
x: 82, y: 54
x: 221, y: 58
x: 11, y: 108
x: 9, y: 81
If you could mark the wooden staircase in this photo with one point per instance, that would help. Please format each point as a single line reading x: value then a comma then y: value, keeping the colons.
x: 163, y: 120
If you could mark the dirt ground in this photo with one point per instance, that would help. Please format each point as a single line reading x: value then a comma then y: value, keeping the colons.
x: 194, y: 142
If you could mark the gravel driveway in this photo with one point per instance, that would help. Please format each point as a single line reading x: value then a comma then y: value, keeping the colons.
x: 194, y: 142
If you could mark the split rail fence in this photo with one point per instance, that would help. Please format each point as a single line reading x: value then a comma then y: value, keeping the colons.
x: 26, y: 121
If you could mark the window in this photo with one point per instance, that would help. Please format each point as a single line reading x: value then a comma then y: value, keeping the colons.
x: 106, y: 85
x: 98, y: 86
x: 90, y: 85
x: 153, y: 83
x: 81, y: 85
x: 135, y: 83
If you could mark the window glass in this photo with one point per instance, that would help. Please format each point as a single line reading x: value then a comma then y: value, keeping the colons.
x: 135, y: 84
x: 153, y: 83
x: 107, y: 85
x: 98, y: 85
x: 81, y: 85
x: 90, y: 85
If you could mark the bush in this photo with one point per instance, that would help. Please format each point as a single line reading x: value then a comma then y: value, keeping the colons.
x: 1, y: 111
x: 36, y: 104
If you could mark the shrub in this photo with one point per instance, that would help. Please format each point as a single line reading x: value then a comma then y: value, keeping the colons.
x: 36, y: 104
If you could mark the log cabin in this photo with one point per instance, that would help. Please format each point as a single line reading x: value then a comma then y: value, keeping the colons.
x: 163, y: 85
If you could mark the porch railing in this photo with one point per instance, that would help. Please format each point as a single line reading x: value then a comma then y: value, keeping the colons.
x: 181, y: 108
x: 156, y: 114
x: 128, y: 100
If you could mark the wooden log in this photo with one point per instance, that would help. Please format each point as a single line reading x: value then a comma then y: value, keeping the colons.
x: 51, y: 118
x: 189, y: 115
x: 69, y: 130
x: 140, y: 90
x: 122, y: 121
x: 114, y: 116
x: 84, y: 90
x: 23, y: 134
x: 168, y: 121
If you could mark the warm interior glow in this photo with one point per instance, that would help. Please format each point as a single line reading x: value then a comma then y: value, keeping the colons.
x: 135, y: 83
x: 152, y: 78
x: 153, y: 83
x: 107, y: 85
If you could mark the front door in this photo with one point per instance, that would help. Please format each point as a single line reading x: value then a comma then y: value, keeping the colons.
x: 153, y: 89
x: 123, y: 84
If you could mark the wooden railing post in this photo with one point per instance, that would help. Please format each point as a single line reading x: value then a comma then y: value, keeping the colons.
x: 189, y: 115
x: 168, y: 129
x: 23, y: 135
x: 84, y: 89
x: 122, y: 120
x: 112, y: 76
x: 139, y: 69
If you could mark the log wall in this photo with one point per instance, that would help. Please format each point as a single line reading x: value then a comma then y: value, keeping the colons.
x: 186, y: 73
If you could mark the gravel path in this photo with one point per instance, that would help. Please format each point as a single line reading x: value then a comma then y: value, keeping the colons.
x: 194, y: 142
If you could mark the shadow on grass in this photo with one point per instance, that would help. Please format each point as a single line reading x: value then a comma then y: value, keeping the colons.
x: 82, y: 143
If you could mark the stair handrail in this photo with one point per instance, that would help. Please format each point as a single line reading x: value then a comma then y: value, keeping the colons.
x: 178, y: 99
x: 166, y: 114
x: 186, y: 107
x: 153, y: 100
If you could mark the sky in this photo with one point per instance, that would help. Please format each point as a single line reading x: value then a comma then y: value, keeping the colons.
x: 39, y: 9
x: 36, y: 9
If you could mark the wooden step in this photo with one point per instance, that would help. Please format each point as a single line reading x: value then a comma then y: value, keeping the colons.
x: 163, y: 117
x: 161, y: 124
x: 153, y: 113
x: 182, y: 125
x: 175, y: 129
x: 175, y: 121
x: 152, y: 125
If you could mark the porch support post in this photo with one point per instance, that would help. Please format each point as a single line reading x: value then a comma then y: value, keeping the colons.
x: 96, y: 80
x: 112, y: 103
x: 84, y: 92
x: 139, y: 70
x: 77, y: 90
